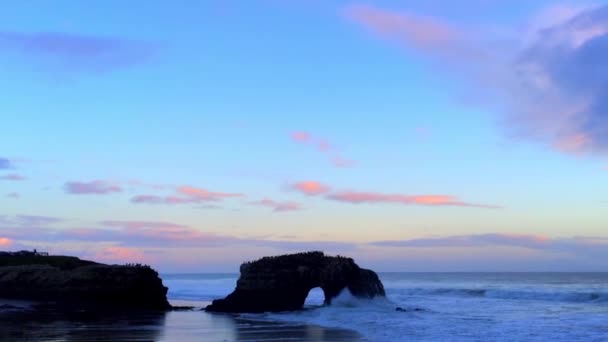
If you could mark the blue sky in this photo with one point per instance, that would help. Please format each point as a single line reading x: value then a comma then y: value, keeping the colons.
x: 277, y: 126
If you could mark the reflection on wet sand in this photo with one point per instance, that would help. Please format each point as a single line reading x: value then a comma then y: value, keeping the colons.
x: 162, y: 327
x: 202, y: 326
x: 77, y: 327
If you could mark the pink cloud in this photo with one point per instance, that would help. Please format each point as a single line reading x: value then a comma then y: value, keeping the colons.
x: 278, y: 206
x: 158, y: 232
x: 422, y: 32
x: 117, y: 254
x: 575, y: 143
x: 186, y: 194
x: 301, y: 136
x: 13, y: 177
x: 204, y: 194
x: 149, y: 237
x: 96, y: 187
x: 358, y: 197
x: 5, y: 242
x: 322, y: 145
x: 122, y: 233
x: 311, y: 188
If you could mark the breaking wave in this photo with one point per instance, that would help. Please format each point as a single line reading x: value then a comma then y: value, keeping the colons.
x: 514, y: 294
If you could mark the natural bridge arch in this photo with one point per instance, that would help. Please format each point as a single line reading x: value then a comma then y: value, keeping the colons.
x: 315, y: 297
x: 282, y: 283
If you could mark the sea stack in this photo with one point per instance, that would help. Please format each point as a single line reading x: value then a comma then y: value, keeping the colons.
x: 281, y: 283
x: 68, y: 282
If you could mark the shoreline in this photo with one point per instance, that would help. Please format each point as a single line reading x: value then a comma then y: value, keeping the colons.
x: 21, y: 321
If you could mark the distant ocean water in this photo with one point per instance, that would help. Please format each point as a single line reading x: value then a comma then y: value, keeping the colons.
x: 445, y: 306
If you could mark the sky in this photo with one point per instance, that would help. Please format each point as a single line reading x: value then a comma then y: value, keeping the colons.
x: 467, y: 135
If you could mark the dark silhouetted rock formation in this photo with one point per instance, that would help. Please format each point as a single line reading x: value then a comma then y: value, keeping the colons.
x: 282, y: 283
x: 71, y: 282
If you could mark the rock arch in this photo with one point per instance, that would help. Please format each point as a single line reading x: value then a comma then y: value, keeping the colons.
x: 281, y: 283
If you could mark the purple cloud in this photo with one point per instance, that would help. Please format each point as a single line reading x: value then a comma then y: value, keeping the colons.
x: 278, y: 206
x: 571, y: 59
x: 153, y: 199
x: 586, y: 246
x: 5, y: 164
x: 29, y: 220
x: 140, y: 224
x: 520, y: 240
x: 151, y: 234
x: 186, y: 194
x: 97, y: 187
x: 550, y: 80
x: 13, y: 177
x: 73, y: 52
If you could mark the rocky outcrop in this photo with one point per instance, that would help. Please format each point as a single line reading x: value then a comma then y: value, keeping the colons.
x: 282, y: 283
x: 82, y: 284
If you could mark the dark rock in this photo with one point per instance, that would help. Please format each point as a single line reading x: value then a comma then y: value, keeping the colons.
x: 401, y: 309
x: 282, y: 283
x: 80, y: 283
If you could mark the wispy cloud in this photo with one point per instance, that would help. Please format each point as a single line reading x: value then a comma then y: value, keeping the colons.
x: 315, y: 188
x: 576, y: 246
x: 323, y: 146
x: 142, y: 235
x: 311, y: 188
x: 76, y: 53
x: 500, y: 239
x: 13, y: 195
x: 29, y: 220
x: 420, y: 31
x: 357, y: 197
x: 121, y: 233
x: 96, y: 187
x: 204, y: 194
x: 186, y: 194
x: 13, y: 177
x: 141, y: 224
x: 208, y: 207
x: 547, y: 79
x: 278, y: 206
x: 153, y: 199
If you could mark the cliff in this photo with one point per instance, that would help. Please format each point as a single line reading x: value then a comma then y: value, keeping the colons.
x: 282, y: 283
x: 71, y: 282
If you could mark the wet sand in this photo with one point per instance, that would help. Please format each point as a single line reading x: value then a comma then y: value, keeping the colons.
x: 193, y: 325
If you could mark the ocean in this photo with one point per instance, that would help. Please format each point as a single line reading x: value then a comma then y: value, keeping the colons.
x: 442, y: 306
